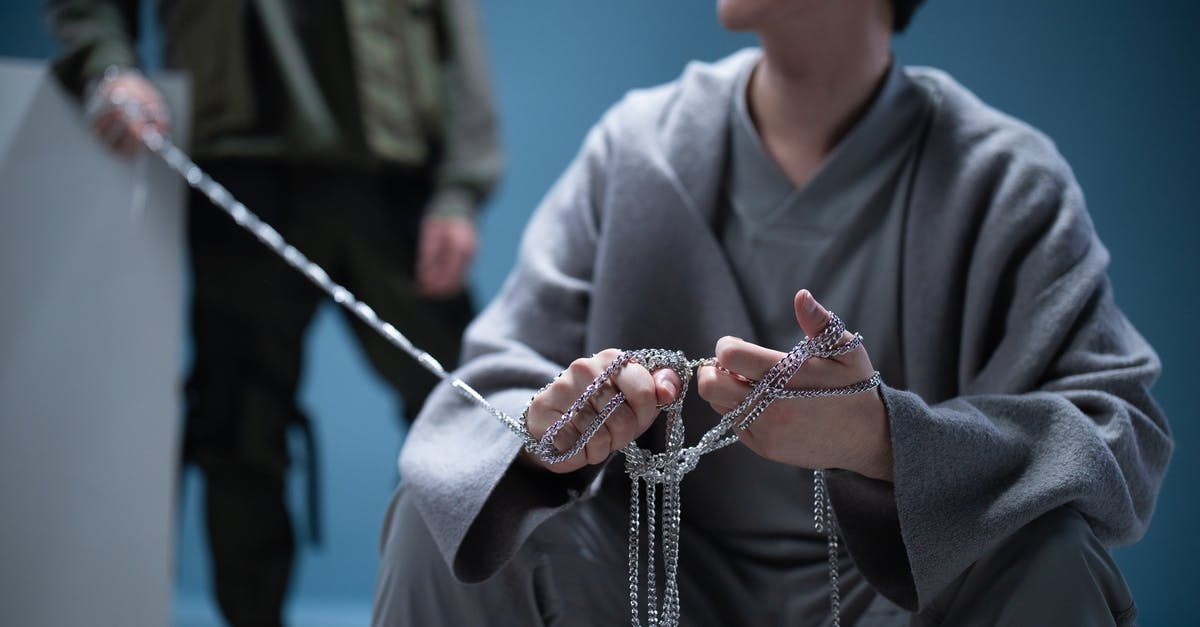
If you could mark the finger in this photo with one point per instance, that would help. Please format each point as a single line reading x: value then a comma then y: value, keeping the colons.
x: 624, y: 427
x: 811, y: 315
x: 426, y: 246
x: 461, y: 244
x: 666, y: 385
x: 108, y: 128
x: 599, y: 447
x: 129, y: 142
x: 440, y: 261
x: 551, y: 403
x: 638, y: 386
x: 570, y: 386
x: 636, y: 413
x: 454, y: 270
x: 159, y: 125
x: 559, y: 396
x: 118, y: 132
x: 543, y: 411
x: 744, y: 358
x: 538, y: 418
x: 591, y: 419
x: 720, y: 389
x: 594, y: 406
x: 156, y: 113
x: 567, y: 436
x: 429, y: 249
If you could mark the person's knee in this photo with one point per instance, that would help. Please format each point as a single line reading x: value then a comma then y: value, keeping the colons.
x: 1056, y: 535
x: 1066, y: 556
x: 406, y: 541
x: 415, y: 586
x: 1053, y: 570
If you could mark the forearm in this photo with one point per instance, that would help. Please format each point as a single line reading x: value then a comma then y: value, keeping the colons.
x: 472, y: 159
x: 974, y: 469
x: 95, y: 34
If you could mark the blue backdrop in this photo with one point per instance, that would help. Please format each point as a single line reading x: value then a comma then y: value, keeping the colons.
x: 1113, y: 83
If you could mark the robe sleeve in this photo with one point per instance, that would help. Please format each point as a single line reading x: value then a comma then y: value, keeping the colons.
x: 458, y: 460
x: 472, y: 158
x: 95, y: 34
x: 1054, y: 407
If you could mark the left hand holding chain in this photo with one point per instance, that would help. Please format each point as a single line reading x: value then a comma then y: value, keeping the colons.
x: 848, y: 431
x: 576, y: 403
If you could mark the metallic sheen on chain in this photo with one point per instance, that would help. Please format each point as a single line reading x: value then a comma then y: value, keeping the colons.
x: 666, y: 468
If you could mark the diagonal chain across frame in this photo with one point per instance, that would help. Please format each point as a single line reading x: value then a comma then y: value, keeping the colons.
x: 666, y: 468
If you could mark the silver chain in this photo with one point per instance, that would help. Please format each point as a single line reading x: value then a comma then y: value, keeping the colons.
x: 666, y: 468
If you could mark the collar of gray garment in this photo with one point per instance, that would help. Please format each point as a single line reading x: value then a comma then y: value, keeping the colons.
x: 761, y: 193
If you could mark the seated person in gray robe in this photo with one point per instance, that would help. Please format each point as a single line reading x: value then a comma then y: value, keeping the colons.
x: 1014, y: 438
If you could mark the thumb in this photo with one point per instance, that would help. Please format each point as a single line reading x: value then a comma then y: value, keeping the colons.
x: 666, y: 385
x: 811, y: 315
x: 430, y: 244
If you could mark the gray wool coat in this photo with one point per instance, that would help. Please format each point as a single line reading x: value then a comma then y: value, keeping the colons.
x: 1026, y: 388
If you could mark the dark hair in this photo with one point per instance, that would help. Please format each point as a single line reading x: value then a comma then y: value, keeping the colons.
x: 903, y: 11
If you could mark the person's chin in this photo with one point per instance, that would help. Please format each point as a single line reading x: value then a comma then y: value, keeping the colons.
x: 734, y: 15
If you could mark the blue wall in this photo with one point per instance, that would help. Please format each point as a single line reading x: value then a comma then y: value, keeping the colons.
x: 1114, y: 83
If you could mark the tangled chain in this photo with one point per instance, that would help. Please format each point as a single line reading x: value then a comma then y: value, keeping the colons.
x: 670, y: 466
x: 666, y: 468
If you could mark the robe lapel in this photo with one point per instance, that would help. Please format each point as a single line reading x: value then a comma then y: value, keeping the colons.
x: 659, y: 217
x: 932, y: 276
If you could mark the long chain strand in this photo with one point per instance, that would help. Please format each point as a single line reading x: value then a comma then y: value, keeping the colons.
x: 651, y: 580
x: 634, y: 554
x: 823, y: 519
x: 666, y: 468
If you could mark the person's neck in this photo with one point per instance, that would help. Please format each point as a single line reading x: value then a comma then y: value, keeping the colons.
x: 814, y: 81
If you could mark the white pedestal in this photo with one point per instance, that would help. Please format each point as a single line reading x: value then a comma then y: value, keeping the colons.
x: 91, y: 308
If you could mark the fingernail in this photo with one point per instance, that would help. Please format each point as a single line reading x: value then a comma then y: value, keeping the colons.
x: 727, y: 339
x: 810, y: 303
x: 669, y: 388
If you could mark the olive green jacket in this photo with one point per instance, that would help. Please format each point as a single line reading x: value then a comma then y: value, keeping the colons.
x: 393, y: 84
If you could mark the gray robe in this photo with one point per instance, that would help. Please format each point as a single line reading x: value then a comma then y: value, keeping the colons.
x: 1027, y: 389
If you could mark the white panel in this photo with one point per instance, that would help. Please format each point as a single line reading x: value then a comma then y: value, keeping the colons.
x: 91, y: 307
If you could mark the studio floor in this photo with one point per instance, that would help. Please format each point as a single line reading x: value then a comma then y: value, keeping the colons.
x: 194, y: 611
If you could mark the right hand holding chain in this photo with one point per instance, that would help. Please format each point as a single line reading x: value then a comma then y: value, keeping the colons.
x: 121, y: 105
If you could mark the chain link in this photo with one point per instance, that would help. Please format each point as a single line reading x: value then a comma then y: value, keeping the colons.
x: 666, y: 468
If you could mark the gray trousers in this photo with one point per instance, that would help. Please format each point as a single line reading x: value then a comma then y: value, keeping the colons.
x: 572, y: 572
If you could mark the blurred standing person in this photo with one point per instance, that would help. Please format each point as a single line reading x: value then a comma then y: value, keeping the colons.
x: 363, y: 130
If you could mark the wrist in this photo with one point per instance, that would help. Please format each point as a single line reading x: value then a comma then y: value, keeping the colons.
x: 875, y: 440
x: 452, y: 201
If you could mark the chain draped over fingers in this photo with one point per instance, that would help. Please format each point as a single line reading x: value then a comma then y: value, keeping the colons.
x: 667, y: 468
x: 831, y: 343
x: 612, y: 420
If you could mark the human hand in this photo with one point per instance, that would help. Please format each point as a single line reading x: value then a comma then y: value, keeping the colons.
x: 444, y: 253
x: 849, y: 432
x: 121, y: 107
x: 644, y: 392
